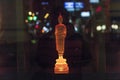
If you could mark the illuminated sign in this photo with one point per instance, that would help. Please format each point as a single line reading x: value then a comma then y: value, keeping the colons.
x: 72, y: 6
x: 79, y: 5
x: 94, y: 1
x: 69, y: 6
x: 85, y: 14
x: 44, y: 3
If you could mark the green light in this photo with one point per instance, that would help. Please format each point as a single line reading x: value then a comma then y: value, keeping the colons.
x: 35, y: 18
x: 33, y: 41
x: 30, y: 18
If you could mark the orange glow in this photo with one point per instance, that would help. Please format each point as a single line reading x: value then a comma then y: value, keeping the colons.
x: 43, y: 31
x: 60, y: 34
x: 61, y: 66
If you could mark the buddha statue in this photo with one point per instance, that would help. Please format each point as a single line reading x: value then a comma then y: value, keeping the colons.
x: 61, y: 65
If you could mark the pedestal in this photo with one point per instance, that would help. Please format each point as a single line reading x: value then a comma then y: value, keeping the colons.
x: 61, y: 66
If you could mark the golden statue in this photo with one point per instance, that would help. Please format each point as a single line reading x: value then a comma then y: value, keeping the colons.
x: 61, y: 65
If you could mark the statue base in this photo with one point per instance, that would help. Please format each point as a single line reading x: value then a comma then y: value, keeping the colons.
x: 61, y: 66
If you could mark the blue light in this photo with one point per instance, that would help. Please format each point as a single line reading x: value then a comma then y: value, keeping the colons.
x: 37, y: 22
x: 44, y: 3
x: 72, y: 6
x: 48, y: 24
x: 94, y: 1
x: 79, y: 5
x: 69, y: 6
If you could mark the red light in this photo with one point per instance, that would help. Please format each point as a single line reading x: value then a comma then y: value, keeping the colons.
x: 99, y: 9
x: 36, y: 26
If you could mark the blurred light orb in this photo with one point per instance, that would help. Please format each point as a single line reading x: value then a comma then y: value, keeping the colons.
x: 30, y: 13
x: 99, y: 28
x: 103, y: 27
x: 114, y: 26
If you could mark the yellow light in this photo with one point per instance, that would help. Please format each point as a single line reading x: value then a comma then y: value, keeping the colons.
x: 46, y: 15
x: 33, y: 14
x: 30, y: 13
x: 26, y: 21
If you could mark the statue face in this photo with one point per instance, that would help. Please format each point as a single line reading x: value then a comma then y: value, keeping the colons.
x: 60, y: 19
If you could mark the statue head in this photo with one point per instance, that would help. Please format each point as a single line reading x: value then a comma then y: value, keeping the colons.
x: 60, y: 19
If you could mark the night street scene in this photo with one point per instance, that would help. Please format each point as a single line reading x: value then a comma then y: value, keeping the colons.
x: 59, y: 40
